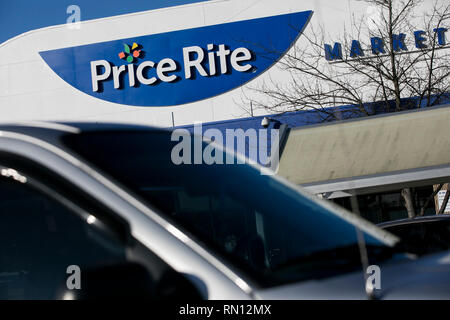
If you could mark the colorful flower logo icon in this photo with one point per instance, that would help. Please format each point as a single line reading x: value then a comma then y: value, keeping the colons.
x: 130, y: 54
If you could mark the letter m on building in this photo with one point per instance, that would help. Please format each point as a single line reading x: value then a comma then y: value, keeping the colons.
x: 333, y: 53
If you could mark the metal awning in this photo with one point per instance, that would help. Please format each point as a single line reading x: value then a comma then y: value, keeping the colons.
x: 373, y: 154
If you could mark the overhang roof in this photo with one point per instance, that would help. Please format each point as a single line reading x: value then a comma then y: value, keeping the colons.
x: 404, y: 147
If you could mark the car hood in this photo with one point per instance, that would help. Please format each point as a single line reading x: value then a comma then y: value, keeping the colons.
x: 421, y: 279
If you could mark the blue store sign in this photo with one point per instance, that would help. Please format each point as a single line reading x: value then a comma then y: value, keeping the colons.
x: 178, y: 67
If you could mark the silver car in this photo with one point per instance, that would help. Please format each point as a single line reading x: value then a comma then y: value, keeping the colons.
x: 101, y: 211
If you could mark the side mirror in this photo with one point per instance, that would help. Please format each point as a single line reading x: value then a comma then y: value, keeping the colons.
x: 129, y: 281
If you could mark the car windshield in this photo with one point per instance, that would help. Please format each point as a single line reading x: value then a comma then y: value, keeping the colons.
x: 269, y: 230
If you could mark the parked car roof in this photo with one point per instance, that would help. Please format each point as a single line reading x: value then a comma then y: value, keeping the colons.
x: 423, y: 219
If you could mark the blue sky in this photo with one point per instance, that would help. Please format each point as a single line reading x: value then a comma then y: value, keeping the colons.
x: 18, y: 16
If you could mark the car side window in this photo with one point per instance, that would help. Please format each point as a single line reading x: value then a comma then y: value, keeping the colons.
x: 437, y: 235
x: 426, y: 237
x: 40, y: 238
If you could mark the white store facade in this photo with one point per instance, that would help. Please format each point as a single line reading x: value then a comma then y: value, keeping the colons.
x: 31, y: 90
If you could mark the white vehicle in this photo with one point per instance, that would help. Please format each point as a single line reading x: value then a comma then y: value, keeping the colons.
x: 106, y: 201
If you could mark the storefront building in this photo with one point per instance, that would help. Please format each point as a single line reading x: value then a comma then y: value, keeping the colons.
x: 176, y: 66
